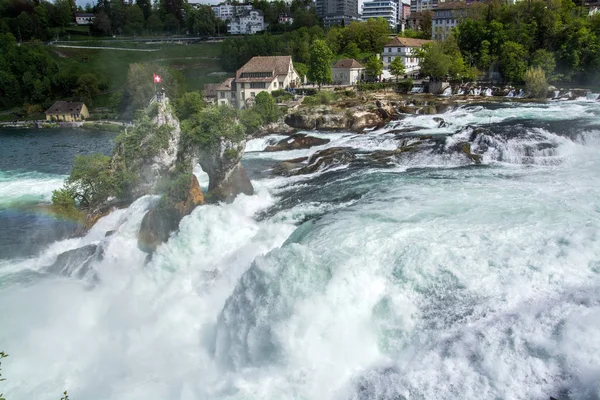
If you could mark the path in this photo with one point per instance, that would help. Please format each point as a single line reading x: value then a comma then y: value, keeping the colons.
x: 102, y: 48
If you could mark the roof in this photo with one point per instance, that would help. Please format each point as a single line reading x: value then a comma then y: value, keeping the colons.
x: 210, y: 89
x: 246, y: 13
x: 348, y: 63
x: 65, y: 107
x: 417, y: 14
x: 277, y: 65
x: 226, y: 85
x: 407, y: 42
x: 84, y: 15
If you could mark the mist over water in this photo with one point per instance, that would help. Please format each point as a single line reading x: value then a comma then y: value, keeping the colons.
x: 430, y: 279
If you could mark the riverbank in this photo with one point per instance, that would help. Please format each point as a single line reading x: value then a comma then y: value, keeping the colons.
x: 101, y: 125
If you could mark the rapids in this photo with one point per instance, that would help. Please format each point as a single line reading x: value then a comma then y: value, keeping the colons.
x: 426, y: 280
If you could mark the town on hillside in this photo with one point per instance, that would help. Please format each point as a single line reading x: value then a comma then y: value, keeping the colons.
x: 68, y: 63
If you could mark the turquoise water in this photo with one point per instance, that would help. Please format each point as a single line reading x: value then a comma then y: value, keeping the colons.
x: 429, y: 279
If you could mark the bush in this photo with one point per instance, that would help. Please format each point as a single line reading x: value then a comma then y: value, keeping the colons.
x: 281, y: 95
x: 307, y: 91
x: 207, y: 126
x: 264, y: 105
x: 251, y: 121
x: 405, y: 85
x: 323, y: 97
x: 535, y: 80
x: 63, y: 202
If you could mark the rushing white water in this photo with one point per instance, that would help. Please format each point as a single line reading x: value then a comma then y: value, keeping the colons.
x: 440, y: 283
x: 27, y: 186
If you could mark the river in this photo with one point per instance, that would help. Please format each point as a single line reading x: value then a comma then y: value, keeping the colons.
x: 429, y: 279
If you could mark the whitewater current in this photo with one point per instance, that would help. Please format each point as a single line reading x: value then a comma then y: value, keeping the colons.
x: 429, y: 279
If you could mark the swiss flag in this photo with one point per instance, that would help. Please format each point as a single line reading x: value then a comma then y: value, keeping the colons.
x: 157, y: 79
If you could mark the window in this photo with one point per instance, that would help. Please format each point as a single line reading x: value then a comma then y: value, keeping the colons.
x: 256, y: 74
x: 257, y: 85
x: 222, y: 95
x: 280, y: 84
x: 252, y: 94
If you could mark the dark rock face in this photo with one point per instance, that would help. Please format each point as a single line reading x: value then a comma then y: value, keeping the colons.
x: 164, y: 219
x: 76, y: 262
x: 297, y: 141
x: 320, y: 160
x: 222, y: 163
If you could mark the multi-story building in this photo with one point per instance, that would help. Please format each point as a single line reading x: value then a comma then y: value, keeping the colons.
x: 337, y: 12
x: 247, y: 23
x: 447, y: 16
x: 415, y: 20
x: 226, y: 11
x: 406, y: 48
x: 260, y: 74
x: 424, y: 5
x: 387, y: 9
x: 404, y: 12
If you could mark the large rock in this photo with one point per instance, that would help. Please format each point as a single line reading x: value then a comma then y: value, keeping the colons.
x: 296, y: 142
x: 222, y: 162
x: 76, y: 262
x: 158, y: 224
x: 321, y: 160
x: 153, y: 155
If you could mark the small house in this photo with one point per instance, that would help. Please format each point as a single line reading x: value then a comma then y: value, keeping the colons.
x: 347, y: 72
x: 84, y: 18
x: 66, y: 111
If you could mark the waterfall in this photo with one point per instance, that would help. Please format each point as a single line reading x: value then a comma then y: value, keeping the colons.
x: 487, y: 92
x: 417, y: 89
x: 556, y: 94
x: 447, y: 92
x: 511, y: 93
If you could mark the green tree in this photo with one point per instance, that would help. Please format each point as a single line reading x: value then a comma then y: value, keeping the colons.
x: 205, y: 127
x: 397, y: 67
x: 374, y: 67
x: 545, y: 60
x: 102, y: 23
x: 154, y: 24
x: 513, y: 61
x: 89, y: 184
x: 301, y: 69
x: 265, y: 106
x: 352, y: 51
x: 426, y: 25
x: 88, y: 86
x: 134, y: 20
x: 319, y: 69
x: 434, y: 62
x: 202, y: 21
x: 189, y: 104
x: 535, y: 80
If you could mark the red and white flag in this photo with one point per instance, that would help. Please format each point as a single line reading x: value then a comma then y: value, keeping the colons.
x: 157, y: 79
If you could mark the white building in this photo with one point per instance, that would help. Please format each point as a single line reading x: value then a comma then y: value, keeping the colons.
x: 446, y: 17
x: 405, y: 48
x: 387, y: 9
x: 247, y: 23
x: 285, y: 19
x: 226, y: 11
x: 347, y: 72
x: 225, y: 93
x: 84, y: 19
x: 263, y: 74
x: 424, y: 5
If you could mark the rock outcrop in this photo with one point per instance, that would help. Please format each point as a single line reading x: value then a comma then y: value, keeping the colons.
x: 76, y: 262
x: 296, y: 142
x: 356, y: 117
x: 222, y: 163
x: 150, y: 149
x: 158, y: 224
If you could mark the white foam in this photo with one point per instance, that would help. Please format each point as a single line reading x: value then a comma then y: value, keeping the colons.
x: 28, y: 186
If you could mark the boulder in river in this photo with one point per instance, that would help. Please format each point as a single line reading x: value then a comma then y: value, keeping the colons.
x: 76, y: 262
x: 181, y: 199
x: 296, y: 142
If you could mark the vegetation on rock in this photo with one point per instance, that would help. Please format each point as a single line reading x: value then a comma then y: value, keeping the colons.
x: 536, y: 82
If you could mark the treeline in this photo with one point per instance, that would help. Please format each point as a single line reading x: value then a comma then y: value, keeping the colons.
x: 358, y: 40
x: 30, y: 75
x: 555, y: 35
x: 28, y: 20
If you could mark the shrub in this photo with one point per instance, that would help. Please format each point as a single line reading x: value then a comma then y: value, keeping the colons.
x: 405, y: 85
x: 281, y: 95
x: 265, y: 106
x: 206, y: 127
x: 323, y: 97
x: 535, y: 80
